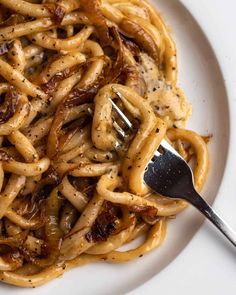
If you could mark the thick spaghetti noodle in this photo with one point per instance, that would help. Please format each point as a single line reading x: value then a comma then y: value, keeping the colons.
x: 72, y: 190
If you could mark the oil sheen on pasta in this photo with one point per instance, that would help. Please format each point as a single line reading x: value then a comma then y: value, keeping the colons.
x: 72, y: 190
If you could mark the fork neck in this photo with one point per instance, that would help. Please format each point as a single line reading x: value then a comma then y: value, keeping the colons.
x: 199, y: 203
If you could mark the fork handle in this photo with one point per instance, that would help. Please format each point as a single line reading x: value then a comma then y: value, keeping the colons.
x: 199, y: 203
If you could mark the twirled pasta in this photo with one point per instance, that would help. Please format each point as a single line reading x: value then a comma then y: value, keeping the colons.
x: 71, y: 188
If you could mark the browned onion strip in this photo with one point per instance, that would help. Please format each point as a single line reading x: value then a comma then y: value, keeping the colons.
x: 83, y: 95
x: 93, y: 12
x: 9, y: 106
x: 14, y: 241
x: 142, y: 38
x: 62, y: 116
x: 52, y: 232
x: 14, y: 19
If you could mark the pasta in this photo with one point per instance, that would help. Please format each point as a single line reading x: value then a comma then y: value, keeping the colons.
x: 71, y: 187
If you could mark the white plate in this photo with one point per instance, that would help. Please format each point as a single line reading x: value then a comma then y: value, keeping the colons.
x: 201, y: 78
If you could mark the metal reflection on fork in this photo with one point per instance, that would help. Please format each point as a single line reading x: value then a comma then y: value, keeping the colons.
x: 170, y: 175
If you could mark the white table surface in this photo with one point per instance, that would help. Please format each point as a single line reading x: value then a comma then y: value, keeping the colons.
x: 208, y: 263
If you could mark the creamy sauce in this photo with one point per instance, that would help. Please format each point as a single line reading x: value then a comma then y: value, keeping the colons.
x: 168, y: 102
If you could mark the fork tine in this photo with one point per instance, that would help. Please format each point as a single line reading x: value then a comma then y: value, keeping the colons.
x: 127, y: 122
x: 122, y: 116
x: 119, y: 130
x: 119, y: 112
x: 117, y: 127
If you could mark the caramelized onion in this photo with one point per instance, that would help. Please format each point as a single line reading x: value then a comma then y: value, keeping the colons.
x: 69, y: 216
x: 8, y: 108
x: 83, y: 95
x: 118, y: 65
x: 131, y: 77
x: 131, y: 45
x: 102, y: 228
x: 142, y: 38
x: 54, y: 133
x: 65, y: 138
x: 53, y: 235
x: 14, y: 19
x: 80, y: 96
x: 85, y: 185
x: 49, y: 181
x: 57, y: 11
x: 55, y: 144
x: 50, y: 86
x: 92, y: 10
x: 145, y: 210
x: 15, y: 241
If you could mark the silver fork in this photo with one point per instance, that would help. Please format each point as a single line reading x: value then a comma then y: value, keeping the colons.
x: 170, y: 175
